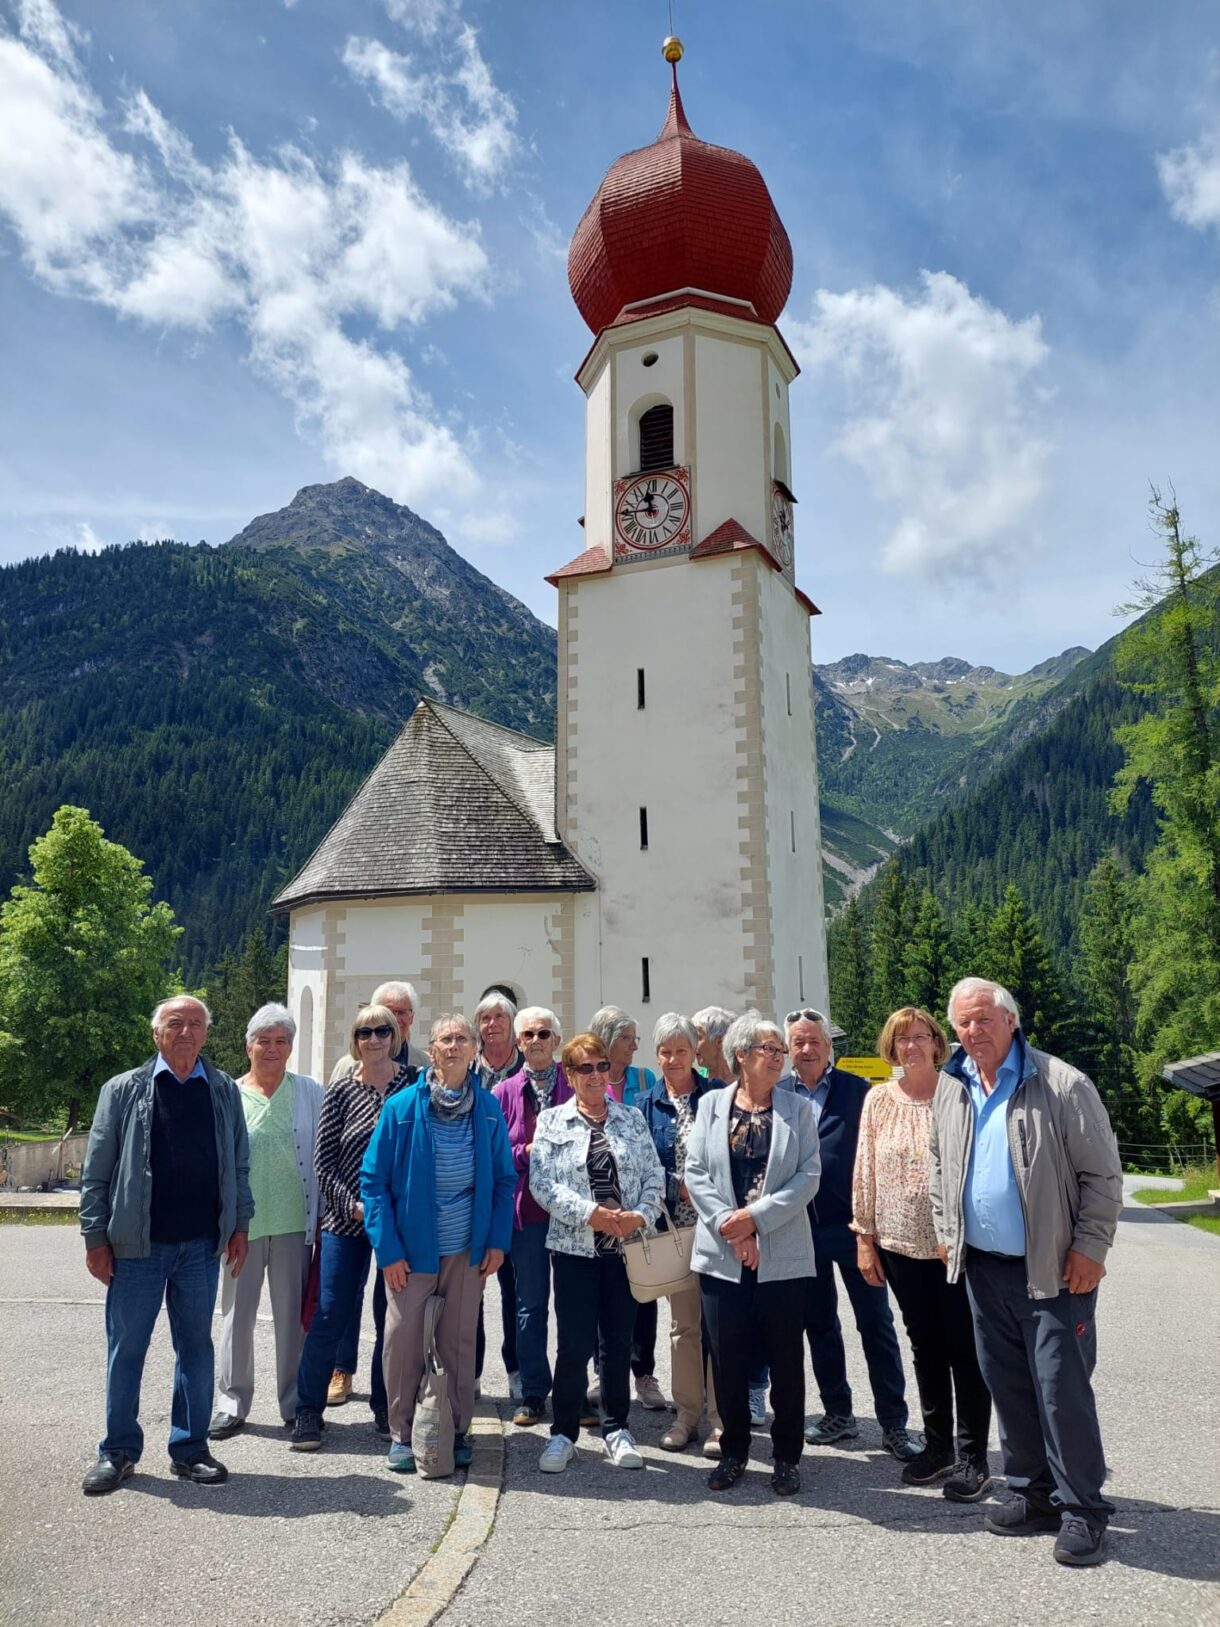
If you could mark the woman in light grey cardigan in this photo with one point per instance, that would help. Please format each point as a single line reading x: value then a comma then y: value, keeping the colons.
x: 752, y: 1168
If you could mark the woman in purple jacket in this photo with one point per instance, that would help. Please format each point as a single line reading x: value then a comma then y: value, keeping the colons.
x: 540, y: 1084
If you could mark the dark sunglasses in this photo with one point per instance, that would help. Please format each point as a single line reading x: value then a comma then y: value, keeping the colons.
x: 536, y: 1033
x: 807, y: 1015
x: 586, y: 1068
x: 382, y: 1031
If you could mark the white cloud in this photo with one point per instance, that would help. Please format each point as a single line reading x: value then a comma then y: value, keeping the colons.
x: 296, y: 250
x: 86, y: 539
x: 941, y: 408
x: 455, y: 95
x: 1190, y: 180
x: 422, y: 17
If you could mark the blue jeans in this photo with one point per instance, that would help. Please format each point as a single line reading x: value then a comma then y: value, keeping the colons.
x: 836, y: 1246
x: 347, y: 1353
x: 185, y: 1276
x: 345, y: 1270
x: 532, y: 1274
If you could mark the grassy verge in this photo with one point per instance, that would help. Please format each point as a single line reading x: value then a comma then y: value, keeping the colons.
x: 1205, y: 1223
x: 1197, y: 1181
x: 39, y: 1217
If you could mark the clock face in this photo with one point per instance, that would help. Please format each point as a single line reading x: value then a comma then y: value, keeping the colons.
x: 652, y: 511
x: 781, y: 527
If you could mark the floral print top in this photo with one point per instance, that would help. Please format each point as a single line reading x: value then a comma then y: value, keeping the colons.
x: 890, y: 1184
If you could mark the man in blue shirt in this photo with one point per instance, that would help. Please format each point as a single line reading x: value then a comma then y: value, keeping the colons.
x: 838, y: 1098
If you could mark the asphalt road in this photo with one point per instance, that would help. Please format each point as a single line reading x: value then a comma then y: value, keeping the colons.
x: 334, y: 1538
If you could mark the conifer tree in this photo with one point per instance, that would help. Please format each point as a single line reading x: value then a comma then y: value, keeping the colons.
x: 1021, y: 962
x: 850, y: 981
x: 1104, y: 971
x: 235, y: 991
x: 925, y: 963
x: 888, y: 946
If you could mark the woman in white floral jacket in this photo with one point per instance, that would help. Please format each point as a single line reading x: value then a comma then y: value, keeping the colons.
x: 595, y: 1170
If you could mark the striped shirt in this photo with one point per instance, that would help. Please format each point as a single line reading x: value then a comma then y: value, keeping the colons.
x: 350, y: 1111
x: 453, y: 1145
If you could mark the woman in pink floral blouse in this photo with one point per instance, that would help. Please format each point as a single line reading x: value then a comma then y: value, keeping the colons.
x: 896, y: 1242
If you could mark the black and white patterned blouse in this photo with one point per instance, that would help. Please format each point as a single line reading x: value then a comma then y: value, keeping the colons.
x: 749, y: 1150
x: 683, y: 1210
x: 604, y: 1186
x: 350, y: 1111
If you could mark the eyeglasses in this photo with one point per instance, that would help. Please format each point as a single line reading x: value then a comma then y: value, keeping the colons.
x: 586, y: 1068
x: 382, y: 1031
x: 807, y: 1015
x: 770, y: 1050
x: 536, y: 1033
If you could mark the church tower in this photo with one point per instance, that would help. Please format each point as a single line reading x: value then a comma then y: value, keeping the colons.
x: 686, y: 772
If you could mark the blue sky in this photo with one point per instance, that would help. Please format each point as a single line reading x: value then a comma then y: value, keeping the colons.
x: 248, y: 245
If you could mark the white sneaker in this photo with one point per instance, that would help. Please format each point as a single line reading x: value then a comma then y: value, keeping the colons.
x: 515, y: 1392
x: 557, y: 1454
x: 758, y: 1407
x: 622, y: 1450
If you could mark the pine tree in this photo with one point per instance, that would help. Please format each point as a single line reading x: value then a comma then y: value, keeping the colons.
x: 1104, y: 971
x: 890, y: 931
x: 235, y: 991
x: 925, y: 962
x: 1022, y: 963
x: 850, y: 981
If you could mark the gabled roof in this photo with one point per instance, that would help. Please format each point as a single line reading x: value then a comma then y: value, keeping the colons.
x: 591, y: 563
x: 731, y: 537
x: 457, y: 805
x: 1198, y: 1074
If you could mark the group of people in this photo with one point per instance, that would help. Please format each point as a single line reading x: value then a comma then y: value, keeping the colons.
x: 982, y: 1187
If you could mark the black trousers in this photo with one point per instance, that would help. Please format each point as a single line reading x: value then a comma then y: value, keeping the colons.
x: 737, y: 1317
x: 594, y: 1316
x: 936, y: 1313
x: 644, y: 1340
x: 1037, y: 1356
x: 508, y: 1322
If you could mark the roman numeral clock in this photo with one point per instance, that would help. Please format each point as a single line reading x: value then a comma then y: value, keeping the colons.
x: 652, y: 515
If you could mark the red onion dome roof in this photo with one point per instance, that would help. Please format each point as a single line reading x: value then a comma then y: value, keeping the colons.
x: 680, y: 213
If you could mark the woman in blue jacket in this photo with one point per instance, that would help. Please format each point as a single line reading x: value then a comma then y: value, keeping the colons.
x: 438, y: 1184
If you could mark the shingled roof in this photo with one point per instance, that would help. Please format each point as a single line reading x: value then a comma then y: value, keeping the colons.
x: 456, y: 805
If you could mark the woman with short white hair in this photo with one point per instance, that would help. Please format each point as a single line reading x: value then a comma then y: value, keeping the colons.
x: 281, y: 1111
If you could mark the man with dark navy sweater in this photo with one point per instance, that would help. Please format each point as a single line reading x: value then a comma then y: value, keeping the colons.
x: 165, y: 1192
x: 838, y: 1098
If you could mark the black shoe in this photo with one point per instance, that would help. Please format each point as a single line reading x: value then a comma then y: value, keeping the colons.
x: 785, y: 1479
x: 381, y: 1425
x: 1020, y: 1518
x: 726, y: 1474
x: 901, y: 1444
x: 463, y: 1451
x: 107, y: 1474
x: 590, y: 1415
x: 1079, y: 1542
x: 203, y: 1470
x: 969, y: 1483
x: 307, y: 1430
x: 932, y: 1464
x: 225, y: 1424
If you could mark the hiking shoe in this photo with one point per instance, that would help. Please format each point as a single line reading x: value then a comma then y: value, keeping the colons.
x: 758, y: 1407
x: 306, y: 1431
x: 463, y: 1451
x: 556, y: 1455
x: 711, y: 1446
x: 969, y: 1483
x: 1020, y: 1518
x: 225, y: 1424
x: 832, y: 1427
x: 1079, y: 1543
x: 931, y: 1465
x: 515, y: 1391
x: 726, y: 1474
x: 785, y: 1479
x: 901, y: 1444
x: 381, y: 1425
x: 648, y: 1394
x: 107, y: 1474
x: 401, y: 1458
x: 622, y: 1450
x: 529, y: 1413
x: 339, y: 1390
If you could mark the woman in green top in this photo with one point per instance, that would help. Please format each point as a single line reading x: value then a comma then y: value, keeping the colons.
x: 281, y: 1111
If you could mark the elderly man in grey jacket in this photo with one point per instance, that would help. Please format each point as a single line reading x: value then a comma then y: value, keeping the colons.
x: 1026, y: 1189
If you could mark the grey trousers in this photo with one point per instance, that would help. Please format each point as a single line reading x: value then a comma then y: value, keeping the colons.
x: 284, y: 1261
x: 461, y: 1287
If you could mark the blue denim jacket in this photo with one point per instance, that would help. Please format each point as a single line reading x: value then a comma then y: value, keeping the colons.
x: 661, y: 1117
x: 116, y: 1184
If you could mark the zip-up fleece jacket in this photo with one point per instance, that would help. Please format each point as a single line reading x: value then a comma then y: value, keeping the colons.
x: 1064, y: 1156
x: 116, y: 1183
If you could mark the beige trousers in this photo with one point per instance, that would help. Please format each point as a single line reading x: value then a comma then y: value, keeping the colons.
x: 461, y: 1287
x: 284, y: 1262
x: 691, y: 1379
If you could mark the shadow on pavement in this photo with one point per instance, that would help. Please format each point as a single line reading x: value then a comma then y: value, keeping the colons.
x: 284, y: 1496
x: 1169, y: 1541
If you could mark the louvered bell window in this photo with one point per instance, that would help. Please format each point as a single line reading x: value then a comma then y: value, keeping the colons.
x: 657, y: 439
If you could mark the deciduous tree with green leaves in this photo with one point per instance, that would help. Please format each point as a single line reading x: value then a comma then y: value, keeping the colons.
x: 84, y: 958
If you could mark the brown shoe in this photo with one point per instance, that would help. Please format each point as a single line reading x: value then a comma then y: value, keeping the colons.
x: 677, y: 1436
x: 340, y: 1389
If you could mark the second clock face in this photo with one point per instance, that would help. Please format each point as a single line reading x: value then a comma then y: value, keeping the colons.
x: 651, y: 511
x: 781, y: 527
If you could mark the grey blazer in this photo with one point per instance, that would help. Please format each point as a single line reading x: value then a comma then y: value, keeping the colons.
x: 785, y: 1242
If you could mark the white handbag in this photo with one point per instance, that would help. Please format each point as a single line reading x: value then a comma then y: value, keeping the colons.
x: 659, y: 1265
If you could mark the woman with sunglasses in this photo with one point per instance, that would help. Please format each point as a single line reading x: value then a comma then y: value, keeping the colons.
x: 752, y: 1167
x: 350, y: 1111
x: 540, y: 1083
x: 438, y: 1185
x: 593, y: 1168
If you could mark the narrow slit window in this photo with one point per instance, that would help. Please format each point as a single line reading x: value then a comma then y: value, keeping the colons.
x: 645, y: 982
x: 792, y: 827
x: 657, y: 438
x: 788, y: 687
x: 643, y: 828
x: 639, y: 688
x: 800, y: 977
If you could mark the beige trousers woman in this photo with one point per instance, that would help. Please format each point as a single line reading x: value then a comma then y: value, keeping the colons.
x: 692, y: 1380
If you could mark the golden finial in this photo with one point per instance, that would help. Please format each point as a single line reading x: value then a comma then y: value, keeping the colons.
x: 672, y: 49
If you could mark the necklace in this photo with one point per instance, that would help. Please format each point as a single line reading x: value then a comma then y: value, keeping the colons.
x: 594, y: 1118
x: 749, y: 1104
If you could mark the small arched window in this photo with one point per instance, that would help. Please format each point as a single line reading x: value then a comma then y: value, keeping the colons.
x: 779, y: 457
x: 657, y: 438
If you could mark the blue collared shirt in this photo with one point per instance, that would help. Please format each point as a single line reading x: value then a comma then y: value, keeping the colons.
x: 161, y: 1066
x: 994, y: 1217
x: 817, y: 1095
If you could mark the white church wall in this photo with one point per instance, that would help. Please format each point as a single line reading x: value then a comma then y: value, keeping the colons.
x: 730, y: 470
x: 599, y: 477
x: 633, y: 382
x: 306, y: 985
